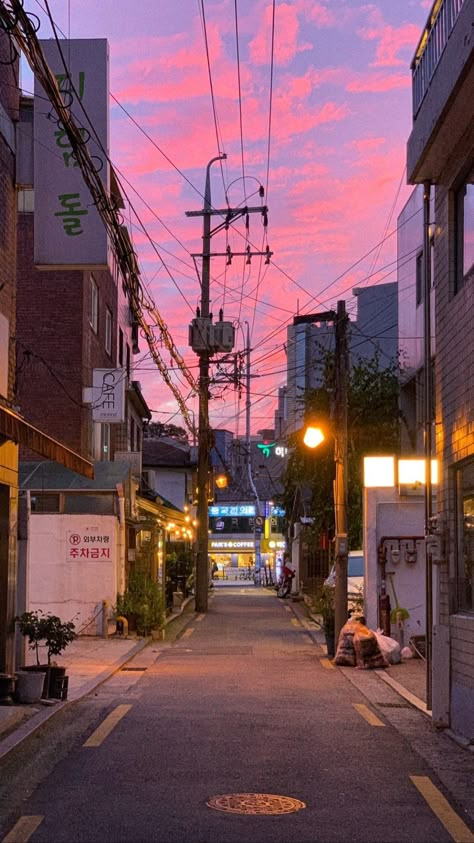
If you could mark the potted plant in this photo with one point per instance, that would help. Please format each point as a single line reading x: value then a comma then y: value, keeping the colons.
x: 141, y: 603
x: 56, y: 635
x: 322, y: 605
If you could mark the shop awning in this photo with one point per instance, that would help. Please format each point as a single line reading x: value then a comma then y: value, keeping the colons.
x: 14, y: 427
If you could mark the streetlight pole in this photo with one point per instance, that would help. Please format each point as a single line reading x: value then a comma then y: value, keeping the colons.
x: 340, y: 457
x: 340, y: 319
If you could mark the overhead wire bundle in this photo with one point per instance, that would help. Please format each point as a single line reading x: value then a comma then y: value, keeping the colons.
x: 21, y: 28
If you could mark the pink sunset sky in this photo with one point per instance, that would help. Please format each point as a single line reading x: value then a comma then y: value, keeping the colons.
x: 330, y: 154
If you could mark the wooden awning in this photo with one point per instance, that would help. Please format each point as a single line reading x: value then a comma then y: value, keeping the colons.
x: 14, y: 427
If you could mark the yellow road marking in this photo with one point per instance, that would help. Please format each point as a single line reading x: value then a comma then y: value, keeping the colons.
x: 327, y: 664
x: 441, y: 807
x: 200, y: 617
x: 106, y: 727
x: 296, y: 622
x: 23, y: 829
x: 367, y: 714
x: 188, y: 632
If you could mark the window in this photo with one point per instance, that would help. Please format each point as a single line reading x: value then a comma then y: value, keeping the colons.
x: 128, y: 360
x: 132, y: 433
x: 108, y: 331
x: 464, y: 223
x: 26, y: 200
x: 120, y: 348
x: 44, y: 502
x: 105, y: 456
x: 465, y: 536
x: 94, y: 306
x: 419, y: 278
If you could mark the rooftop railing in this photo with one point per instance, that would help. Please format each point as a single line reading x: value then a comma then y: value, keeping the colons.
x: 439, y: 26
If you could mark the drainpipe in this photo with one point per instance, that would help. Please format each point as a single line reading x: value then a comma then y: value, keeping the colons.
x: 121, y: 549
x: 428, y: 416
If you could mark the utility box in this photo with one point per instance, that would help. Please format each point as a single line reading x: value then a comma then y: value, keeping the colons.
x: 204, y: 335
x: 200, y: 334
x: 224, y: 336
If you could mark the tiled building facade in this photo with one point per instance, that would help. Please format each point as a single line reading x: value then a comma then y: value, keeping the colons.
x: 441, y: 156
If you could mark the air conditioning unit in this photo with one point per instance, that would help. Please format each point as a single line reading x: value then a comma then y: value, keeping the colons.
x: 224, y: 336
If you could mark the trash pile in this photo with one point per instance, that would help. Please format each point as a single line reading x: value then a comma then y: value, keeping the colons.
x: 361, y: 647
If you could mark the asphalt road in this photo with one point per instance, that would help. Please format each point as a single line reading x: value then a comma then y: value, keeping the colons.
x: 241, y: 703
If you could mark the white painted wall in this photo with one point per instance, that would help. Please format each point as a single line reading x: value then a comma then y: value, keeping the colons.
x: 73, y: 587
x: 386, y: 513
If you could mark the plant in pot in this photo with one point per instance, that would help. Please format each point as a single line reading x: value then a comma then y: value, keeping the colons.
x: 322, y: 604
x: 56, y: 635
x: 141, y: 603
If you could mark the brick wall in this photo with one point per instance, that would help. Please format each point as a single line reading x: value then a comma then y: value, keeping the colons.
x: 8, y: 251
x: 56, y: 346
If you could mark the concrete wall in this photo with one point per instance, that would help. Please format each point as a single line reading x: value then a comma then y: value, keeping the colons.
x: 386, y: 513
x: 72, y: 588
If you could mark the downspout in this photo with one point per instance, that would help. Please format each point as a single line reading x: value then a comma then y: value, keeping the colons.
x: 428, y: 416
x: 121, y: 549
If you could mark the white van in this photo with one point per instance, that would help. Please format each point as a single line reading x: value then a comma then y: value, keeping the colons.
x: 355, y: 575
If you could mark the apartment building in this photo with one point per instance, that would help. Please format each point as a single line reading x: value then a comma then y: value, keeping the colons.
x: 15, y: 428
x: 440, y: 156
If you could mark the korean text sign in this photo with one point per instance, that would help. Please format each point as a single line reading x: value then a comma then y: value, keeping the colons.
x: 89, y: 544
x: 68, y: 229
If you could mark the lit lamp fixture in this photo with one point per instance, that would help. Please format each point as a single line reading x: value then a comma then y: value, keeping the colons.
x: 413, y: 472
x: 316, y: 431
x: 221, y: 481
x: 379, y: 472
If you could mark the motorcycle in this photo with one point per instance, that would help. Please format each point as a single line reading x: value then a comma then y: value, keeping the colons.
x: 284, y: 584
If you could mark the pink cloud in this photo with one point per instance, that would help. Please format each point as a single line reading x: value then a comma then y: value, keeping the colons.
x: 391, y: 40
x: 286, y: 45
x: 378, y: 83
x: 365, y: 144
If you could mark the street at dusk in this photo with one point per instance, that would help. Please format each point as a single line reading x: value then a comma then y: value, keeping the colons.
x: 236, y: 421
x: 243, y: 702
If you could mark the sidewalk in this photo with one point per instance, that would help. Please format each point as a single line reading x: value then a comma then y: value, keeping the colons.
x: 89, y: 661
x: 408, y: 678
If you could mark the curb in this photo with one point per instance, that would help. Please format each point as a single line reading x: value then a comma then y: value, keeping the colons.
x: 36, y: 721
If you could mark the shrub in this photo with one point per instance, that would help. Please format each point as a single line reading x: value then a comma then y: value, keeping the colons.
x: 142, y: 600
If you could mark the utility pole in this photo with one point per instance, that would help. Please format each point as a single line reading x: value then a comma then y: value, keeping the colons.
x: 340, y: 457
x: 206, y: 339
x: 257, y: 521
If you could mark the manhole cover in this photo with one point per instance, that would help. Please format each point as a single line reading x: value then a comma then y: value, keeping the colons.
x: 255, y: 803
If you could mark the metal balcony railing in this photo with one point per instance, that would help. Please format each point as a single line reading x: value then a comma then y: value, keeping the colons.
x: 439, y: 26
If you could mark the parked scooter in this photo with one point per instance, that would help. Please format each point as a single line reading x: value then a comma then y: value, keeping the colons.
x: 284, y: 584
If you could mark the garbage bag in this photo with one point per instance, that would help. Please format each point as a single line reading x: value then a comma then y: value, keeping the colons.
x: 389, y: 647
x: 345, y: 653
x: 367, y: 650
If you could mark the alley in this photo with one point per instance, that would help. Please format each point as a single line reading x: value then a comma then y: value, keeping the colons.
x: 242, y: 703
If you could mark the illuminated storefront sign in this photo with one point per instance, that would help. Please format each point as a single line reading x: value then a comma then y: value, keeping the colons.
x: 232, y: 545
x: 267, y: 449
x: 221, y: 510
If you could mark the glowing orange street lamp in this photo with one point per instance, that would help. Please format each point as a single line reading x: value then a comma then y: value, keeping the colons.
x: 313, y: 436
x: 221, y: 481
